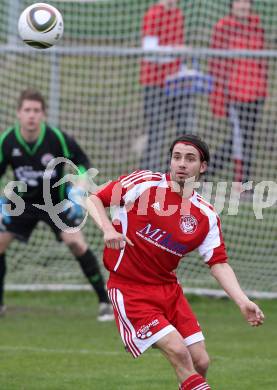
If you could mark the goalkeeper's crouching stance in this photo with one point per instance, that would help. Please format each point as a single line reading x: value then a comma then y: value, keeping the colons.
x: 27, y: 147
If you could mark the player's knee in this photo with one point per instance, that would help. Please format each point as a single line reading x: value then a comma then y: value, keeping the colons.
x: 201, y: 363
x: 5, y: 240
x: 180, y: 356
x: 75, y: 242
x: 76, y: 247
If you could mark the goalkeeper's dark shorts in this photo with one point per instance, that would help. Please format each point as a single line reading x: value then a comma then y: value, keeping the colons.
x: 23, y: 225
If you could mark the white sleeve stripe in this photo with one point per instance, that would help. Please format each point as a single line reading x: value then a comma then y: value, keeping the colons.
x: 145, y: 178
x: 203, y: 201
x: 121, y: 214
x: 135, y: 173
x: 127, y: 181
x: 138, y: 189
x: 208, y: 255
x: 132, y: 176
x: 212, y: 240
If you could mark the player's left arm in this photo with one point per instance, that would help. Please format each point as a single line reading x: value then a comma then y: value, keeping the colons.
x: 215, y: 256
x: 227, y: 279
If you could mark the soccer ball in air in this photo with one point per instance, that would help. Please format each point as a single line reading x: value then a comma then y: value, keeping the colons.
x: 40, y: 25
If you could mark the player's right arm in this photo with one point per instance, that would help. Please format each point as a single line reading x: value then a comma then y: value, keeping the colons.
x: 112, y: 238
x: 96, y: 203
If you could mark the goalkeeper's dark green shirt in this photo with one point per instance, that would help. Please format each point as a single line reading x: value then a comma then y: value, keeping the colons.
x: 28, y: 161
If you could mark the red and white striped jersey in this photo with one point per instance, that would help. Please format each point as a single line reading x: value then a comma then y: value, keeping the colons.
x: 163, y: 226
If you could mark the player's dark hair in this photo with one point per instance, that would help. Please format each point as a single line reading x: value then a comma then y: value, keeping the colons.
x: 196, y: 141
x: 31, y: 94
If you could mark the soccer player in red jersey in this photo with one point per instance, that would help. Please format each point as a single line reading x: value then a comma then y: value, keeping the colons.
x: 157, y: 219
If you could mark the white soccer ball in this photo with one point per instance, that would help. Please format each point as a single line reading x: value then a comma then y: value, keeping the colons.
x: 40, y: 25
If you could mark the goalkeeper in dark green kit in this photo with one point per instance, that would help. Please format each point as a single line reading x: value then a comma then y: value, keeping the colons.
x: 29, y: 148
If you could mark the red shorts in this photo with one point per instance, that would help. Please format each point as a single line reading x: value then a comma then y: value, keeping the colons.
x: 146, y: 313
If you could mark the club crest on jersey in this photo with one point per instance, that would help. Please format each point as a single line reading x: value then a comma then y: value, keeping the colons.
x: 16, y: 152
x: 46, y: 158
x: 188, y: 224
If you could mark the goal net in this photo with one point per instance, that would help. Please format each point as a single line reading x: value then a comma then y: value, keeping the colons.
x: 222, y: 86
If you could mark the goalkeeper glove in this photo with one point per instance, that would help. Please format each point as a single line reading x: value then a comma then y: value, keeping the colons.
x: 4, y: 216
x: 76, y: 196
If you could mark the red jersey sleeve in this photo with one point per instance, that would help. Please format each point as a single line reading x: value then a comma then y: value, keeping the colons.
x: 213, y: 248
x: 112, y: 194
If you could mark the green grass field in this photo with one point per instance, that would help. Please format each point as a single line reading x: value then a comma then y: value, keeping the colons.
x: 52, y: 341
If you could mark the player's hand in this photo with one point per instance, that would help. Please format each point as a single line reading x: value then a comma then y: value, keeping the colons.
x: 252, y: 313
x: 116, y: 240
